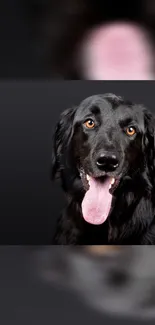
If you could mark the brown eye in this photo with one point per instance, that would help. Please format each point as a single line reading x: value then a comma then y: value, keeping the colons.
x: 89, y: 124
x: 130, y: 131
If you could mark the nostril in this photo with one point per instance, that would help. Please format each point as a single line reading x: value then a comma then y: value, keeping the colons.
x: 114, y: 160
x: 101, y: 160
x: 107, y: 162
x: 116, y: 165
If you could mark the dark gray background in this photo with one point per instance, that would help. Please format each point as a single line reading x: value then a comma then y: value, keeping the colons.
x: 30, y: 203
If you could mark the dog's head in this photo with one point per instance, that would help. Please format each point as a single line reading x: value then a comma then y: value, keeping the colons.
x: 102, y: 144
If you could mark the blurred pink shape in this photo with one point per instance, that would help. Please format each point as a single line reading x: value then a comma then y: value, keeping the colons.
x: 117, y: 51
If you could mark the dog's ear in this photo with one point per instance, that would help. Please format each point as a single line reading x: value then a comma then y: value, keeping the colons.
x: 61, y: 141
x: 150, y: 140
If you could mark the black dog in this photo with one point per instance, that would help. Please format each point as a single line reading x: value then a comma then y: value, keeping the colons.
x: 104, y: 155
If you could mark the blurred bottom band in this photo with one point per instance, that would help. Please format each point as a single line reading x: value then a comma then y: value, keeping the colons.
x: 119, y: 281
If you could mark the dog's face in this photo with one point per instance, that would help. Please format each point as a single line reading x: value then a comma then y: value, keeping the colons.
x: 108, y: 143
x: 107, y: 140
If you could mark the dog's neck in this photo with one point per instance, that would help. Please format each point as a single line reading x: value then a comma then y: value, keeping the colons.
x: 134, y: 200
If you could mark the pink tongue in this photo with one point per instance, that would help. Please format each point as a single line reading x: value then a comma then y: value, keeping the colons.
x: 97, y: 201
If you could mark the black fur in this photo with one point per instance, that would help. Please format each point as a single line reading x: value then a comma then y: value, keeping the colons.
x: 131, y: 220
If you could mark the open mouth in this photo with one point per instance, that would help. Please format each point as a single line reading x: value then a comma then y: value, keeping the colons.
x: 113, y: 182
x: 97, y: 202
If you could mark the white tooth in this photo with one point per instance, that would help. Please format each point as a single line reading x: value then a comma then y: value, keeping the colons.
x: 88, y: 177
x: 112, y: 181
x: 109, y: 186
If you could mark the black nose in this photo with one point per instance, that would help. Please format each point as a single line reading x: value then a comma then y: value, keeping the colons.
x: 107, y: 163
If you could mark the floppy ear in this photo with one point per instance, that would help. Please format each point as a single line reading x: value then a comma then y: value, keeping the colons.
x: 150, y: 142
x: 61, y: 141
